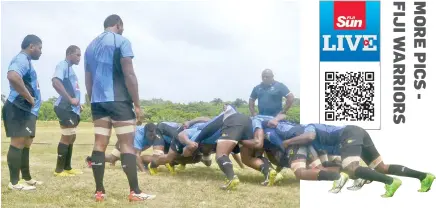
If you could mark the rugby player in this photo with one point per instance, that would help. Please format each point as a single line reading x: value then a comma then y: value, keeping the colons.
x: 67, y: 108
x: 356, y: 144
x: 112, y: 86
x: 21, y: 111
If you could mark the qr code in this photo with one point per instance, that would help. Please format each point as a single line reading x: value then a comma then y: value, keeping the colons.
x: 349, y: 96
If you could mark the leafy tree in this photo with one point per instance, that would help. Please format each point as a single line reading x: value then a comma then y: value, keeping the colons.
x: 157, y: 110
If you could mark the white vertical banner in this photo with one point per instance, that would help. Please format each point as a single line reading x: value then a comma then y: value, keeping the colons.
x: 350, y: 63
x: 403, y: 92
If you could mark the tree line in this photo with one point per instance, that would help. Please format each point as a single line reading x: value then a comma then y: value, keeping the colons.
x: 156, y: 110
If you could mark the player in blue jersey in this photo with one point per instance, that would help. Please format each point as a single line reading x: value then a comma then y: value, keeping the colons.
x: 206, y: 147
x: 164, y: 130
x: 237, y: 128
x: 253, y: 157
x: 21, y: 111
x: 145, y: 137
x: 169, y: 131
x: 355, y: 145
x: 112, y: 86
x: 175, y: 152
x: 67, y: 108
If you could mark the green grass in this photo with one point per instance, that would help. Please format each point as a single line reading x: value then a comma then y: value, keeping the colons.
x: 197, y: 186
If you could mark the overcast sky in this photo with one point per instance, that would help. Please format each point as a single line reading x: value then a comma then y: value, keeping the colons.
x: 184, y: 51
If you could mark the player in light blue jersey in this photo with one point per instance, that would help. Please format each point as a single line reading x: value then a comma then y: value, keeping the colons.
x: 149, y: 135
x: 206, y: 147
x: 21, y: 111
x: 355, y: 145
x: 176, y: 148
x: 112, y: 86
x: 253, y: 157
x: 67, y: 108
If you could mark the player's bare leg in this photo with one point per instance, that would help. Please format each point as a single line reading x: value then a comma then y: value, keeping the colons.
x: 299, y: 166
x: 206, y: 150
x: 157, y: 152
x: 237, y: 158
x: 258, y: 163
x: 161, y: 160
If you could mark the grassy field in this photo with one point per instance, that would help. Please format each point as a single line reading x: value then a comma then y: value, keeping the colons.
x: 197, y: 186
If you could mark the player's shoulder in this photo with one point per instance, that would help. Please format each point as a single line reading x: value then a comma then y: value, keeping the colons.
x: 140, y: 128
x: 62, y: 65
x: 312, y: 126
x: 20, y: 58
x: 279, y: 84
x: 258, y: 86
x: 121, y: 39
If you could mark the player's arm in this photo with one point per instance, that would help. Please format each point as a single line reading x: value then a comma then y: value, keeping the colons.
x: 301, y: 139
x: 57, y: 84
x: 251, y: 102
x: 15, y: 77
x: 253, y: 143
x: 184, y: 138
x: 275, y: 121
x: 139, y: 162
x: 59, y: 87
x: 307, y: 137
x: 289, y: 98
x: 129, y: 73
x: 88, y: 76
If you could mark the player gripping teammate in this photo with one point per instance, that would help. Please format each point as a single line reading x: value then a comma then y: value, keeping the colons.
x: 356, y: 144
x: 67, y: 108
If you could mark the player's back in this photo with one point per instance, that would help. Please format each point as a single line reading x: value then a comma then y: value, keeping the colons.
x: 212, y: 139
x: 103, y: 60
x: 327, y: 134
x: 140, y: 142
x: 272, y: 139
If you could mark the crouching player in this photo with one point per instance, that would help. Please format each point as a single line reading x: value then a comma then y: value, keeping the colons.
x: 356, y: 144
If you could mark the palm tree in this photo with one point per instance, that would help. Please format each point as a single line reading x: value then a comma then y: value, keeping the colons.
x: 239, y: 102
x: 217, y: 101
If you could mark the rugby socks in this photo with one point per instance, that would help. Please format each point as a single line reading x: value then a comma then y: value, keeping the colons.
x: 14, y: 163
x: 68, y: 158
x: 328, y: 176
x: 98, y: 166
x: 400, y: 170
x: 264, y: 168
x: 128, y: 162
x: 25, y: 169
x: 372, y: 175
x: 62, y: 155
x: 226, y: 166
